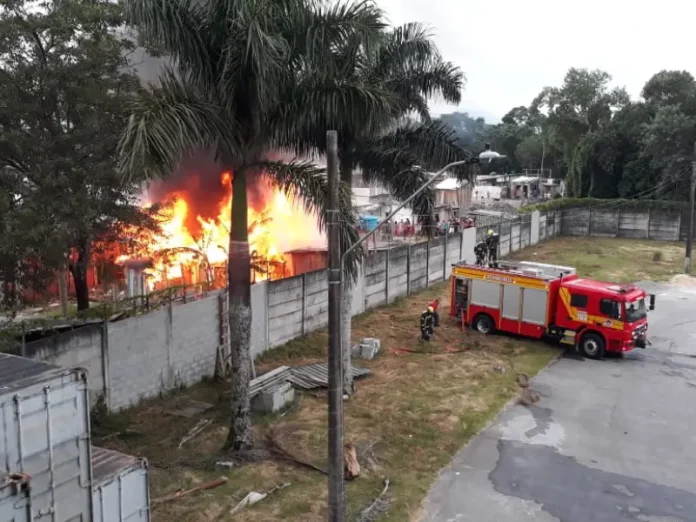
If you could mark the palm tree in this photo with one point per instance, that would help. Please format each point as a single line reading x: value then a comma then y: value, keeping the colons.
x: 404, y: 65
x: 236, y: 66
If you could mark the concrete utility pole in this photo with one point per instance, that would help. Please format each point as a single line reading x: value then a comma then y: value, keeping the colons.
x: 336, y: 483
x: 692, y: 193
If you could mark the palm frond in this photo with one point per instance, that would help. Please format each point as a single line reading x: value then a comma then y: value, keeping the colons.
x: 331, y: 24
x: 167, y: 122
x: 438, y: 78
x: 326, y: 102
x: 307, y: 184
x: 177, y: 28
x: 410, y: 44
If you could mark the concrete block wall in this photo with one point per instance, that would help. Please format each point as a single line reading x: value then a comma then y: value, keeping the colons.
x: 195, y: 339
x: 436, y: 260
x: 418, y: 267
x: 157, y: 352
x: 143, y: 356
x: 285, y: 310
x: 139, y: 365
x: 375, y: 279
x: 316, y: 313
x: 397, y: 272
x: 614, y: 222
x: 75, y: 348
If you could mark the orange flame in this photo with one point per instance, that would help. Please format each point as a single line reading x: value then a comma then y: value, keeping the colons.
x: 180, y: 258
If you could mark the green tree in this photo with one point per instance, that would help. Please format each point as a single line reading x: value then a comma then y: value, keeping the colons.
x: 404, y: 67
x: 578, y: 111
x: 63, y: 88
x: 242, y: 83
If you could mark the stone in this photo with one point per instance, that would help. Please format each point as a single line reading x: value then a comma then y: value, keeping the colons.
x: 274, y: 399
x: 367, y: 349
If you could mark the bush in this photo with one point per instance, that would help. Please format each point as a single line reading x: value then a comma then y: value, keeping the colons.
x: 657, y: 256
x: 635, y: 205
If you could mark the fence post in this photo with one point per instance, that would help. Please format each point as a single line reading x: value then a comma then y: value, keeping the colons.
x: 679, y: 227
x: 589, y: 220
x: 647, y: 230
x: 618, y: 222
x: 304, y: 302
x: 408, y: 269
x: 461, y: 245
x: 427, y: 264
x: 106, y: 373
x: 444, y: 261
x: 386, y: 278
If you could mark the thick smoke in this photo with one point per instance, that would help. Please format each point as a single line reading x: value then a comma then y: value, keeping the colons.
x: 198, y: 180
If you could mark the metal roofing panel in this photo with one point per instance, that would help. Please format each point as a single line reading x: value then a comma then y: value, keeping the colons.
x: 18, y: 372
x: 108, y: 463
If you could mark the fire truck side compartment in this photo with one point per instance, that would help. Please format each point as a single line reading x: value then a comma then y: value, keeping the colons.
x: 537, y: 300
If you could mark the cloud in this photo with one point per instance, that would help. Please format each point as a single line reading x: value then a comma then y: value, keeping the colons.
x: 510, y: 50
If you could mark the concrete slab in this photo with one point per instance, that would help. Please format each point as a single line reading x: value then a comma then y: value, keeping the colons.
x: 610, y: 441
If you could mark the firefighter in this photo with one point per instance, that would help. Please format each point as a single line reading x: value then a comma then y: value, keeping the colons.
x: 436, y: 316
x: 492, y: 240
x: 427, y: 320
x: 480, y: 252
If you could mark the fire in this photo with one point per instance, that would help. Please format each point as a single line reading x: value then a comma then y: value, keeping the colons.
x: 192, y: 248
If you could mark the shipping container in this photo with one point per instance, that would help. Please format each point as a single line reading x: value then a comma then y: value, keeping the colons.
x: 14, y: 498
x: 44, y: 435
x: 120, y: 487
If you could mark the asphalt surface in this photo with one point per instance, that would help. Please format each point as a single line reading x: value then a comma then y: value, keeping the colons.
x: 609, y: 441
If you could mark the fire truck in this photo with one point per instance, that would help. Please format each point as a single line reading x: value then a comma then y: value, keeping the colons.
x: 549, y: 301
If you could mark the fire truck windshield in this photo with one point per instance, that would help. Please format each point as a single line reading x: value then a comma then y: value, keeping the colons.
x: 636, y: 310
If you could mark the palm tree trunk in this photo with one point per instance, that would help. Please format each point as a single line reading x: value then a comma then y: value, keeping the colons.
x: 239, y: 437
x: 347, y: 305
x: 78, y: 269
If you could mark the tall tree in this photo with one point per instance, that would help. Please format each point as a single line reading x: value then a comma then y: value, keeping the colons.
x: 240, y: 84
x: 63, y: 88
x: 577, y: 113
x: 404, y: 67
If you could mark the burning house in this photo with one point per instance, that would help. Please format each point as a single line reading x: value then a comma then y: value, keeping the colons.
x: 193, y: 243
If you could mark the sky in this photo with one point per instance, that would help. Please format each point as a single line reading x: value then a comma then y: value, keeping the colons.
x: 511, y: 49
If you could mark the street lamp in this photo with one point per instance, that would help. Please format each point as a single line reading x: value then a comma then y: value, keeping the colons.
x: 489, y: 154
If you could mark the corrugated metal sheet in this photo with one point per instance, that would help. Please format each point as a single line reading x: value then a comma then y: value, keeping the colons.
x: 18, y: 372
x: 121, y: 492
x: 44, y: 433
x: 311, y: 376
x: 307, y: 377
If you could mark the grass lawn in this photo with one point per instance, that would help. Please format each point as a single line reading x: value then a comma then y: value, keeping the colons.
x: 607, y: 259
x: 407, y: 419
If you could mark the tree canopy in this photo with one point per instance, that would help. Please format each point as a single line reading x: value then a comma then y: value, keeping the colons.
x: 591, y: 134
x: 64, y: 96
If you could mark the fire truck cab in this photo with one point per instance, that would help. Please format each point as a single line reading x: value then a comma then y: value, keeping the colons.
x: 550, y: 301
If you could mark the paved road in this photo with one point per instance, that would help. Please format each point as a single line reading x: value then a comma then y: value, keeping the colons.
x: 610, y: 441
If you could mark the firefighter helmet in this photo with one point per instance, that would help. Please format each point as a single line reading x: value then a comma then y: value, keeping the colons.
x: 431, y: 309
x: 490, y: 232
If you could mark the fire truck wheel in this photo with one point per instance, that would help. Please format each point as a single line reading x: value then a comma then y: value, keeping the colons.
x: 592, y: 345
x: 483, y: 324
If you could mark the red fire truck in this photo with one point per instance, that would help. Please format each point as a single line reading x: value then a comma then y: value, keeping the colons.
x: 549, y: 301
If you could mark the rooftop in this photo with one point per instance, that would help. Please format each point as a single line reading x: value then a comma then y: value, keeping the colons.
x: 590, y: 284
x: 19, y: 372
x: 107, y: 463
